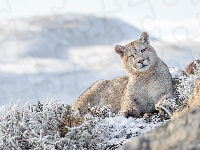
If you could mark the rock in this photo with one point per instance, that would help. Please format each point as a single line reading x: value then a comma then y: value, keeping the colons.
x: 190, y: 68
x: 194, y: 100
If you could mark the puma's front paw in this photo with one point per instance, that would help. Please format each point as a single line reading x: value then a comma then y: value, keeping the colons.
x: 130, y: 113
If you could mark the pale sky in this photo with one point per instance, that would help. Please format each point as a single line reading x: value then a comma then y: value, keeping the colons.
x: 170, y: 20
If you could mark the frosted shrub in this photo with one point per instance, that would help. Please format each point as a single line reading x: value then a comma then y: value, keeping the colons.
x: 39, y: 127
x: 52, y: 125
x: 186, y: 86
x: 102, y: 112
x: 32, y: 126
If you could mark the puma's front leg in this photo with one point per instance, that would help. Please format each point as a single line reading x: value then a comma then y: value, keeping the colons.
x: 128, y: 108
x: 164, y: 105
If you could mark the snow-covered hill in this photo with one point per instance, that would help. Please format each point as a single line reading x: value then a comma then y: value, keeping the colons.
x: 60, y: 56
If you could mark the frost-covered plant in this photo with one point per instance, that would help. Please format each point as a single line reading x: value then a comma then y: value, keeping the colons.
x: 84, y: 136
x: 109, y: 132
x: 101, y: 112
x: 32, y: 126
x: 187, y: 84
x: 70, y: 120
x: 184, y: 87
x: 39, y: 127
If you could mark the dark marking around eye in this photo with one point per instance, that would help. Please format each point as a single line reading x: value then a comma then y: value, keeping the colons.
x: 131, y: 56
x: 143, y: 50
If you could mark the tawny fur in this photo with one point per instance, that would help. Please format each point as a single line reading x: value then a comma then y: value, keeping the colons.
x: 148, y: 82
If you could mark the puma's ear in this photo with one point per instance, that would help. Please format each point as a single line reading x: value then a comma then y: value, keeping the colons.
x: 144, y: 37
x: 120, y: 50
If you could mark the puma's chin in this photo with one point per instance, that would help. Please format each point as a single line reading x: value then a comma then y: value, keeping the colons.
x: 143, y: 68
x: 138, y: 69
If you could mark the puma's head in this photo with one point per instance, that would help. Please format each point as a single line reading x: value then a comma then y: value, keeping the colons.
x: 137, y: 56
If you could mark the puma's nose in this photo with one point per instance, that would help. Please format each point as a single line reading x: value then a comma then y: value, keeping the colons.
x: 141, y: 61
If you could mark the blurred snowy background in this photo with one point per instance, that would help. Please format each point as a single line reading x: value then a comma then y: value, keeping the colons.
x: 57, y: 49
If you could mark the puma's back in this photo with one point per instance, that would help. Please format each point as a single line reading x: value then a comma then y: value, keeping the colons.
x: 103, y: 92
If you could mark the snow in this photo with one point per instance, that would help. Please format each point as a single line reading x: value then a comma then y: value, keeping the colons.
x: 175, y: 72
x: 120, y: 127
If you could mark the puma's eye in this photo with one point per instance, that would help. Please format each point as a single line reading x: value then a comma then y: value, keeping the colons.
x: 142, y: 51
x: 131, y: 56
